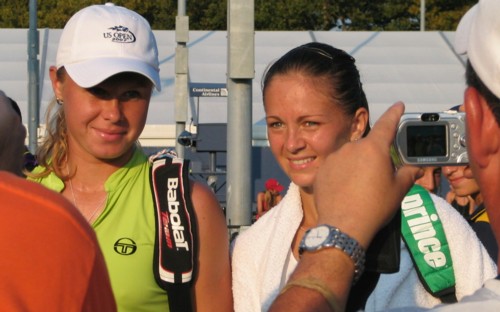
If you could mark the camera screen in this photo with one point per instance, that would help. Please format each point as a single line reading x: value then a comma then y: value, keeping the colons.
x: 426, y: 141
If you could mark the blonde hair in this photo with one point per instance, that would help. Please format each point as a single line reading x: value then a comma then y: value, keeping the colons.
x: 53, y: 151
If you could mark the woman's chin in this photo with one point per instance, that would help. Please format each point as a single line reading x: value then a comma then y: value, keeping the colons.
x: 303, y: 182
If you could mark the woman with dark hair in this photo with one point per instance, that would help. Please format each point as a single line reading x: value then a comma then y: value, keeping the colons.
x: 314, y: 104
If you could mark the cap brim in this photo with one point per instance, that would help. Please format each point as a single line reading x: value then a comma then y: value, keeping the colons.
x: 464, y: 29
x: 90, y: 73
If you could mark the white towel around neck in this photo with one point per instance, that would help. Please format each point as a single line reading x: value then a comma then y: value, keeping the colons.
x: 259, y: 256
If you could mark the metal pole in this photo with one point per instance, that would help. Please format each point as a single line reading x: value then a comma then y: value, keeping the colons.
x: 422, y: 15
x: 212, y: 168
x: 181, y: 72
x: 241, y: 69
x: 33, y: 78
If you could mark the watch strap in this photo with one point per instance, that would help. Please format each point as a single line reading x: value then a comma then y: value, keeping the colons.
x: 340, y: 240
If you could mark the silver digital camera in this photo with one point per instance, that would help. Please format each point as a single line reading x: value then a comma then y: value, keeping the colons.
x: 431, y: 139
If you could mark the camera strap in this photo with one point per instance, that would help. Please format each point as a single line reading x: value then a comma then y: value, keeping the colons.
x: 423, y: 233
x: 175, y: 251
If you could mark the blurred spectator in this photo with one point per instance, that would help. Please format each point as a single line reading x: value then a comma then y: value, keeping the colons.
x: 270, y: 197
x: 12, y: 136
x: 466, y: 197
x: 431, y: 180
x: 29, y: 158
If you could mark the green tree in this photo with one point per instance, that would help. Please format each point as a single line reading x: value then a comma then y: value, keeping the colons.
x: 207, y: 15
x: 14, y: 14
x: 292, y: 14
x: 55, y: 13
x: 445, y: 14
x: 269, y: 15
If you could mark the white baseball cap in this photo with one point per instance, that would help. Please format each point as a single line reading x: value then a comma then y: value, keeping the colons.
x: 478, y: 36
x: 100, y: 41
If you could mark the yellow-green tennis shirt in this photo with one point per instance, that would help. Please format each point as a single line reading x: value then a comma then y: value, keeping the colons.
x: 126, y: 233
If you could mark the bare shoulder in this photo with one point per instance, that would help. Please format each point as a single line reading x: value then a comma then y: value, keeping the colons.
x: 204, y: 201
x: 214, y: 267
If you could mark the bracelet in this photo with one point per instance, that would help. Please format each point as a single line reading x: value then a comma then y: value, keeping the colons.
x: 316, y: 285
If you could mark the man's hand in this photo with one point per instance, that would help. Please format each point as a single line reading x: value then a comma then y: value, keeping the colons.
x: 357, y: 188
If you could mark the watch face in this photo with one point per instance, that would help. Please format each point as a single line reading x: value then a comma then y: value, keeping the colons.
x: 316, y: 236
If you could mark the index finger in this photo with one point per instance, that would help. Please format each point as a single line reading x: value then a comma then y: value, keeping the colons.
x: 384, y: 130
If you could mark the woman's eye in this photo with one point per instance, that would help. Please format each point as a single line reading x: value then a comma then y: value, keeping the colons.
x: 310, y: 123
x: 98, y: 92
x: 129, y: 95
x: 275, y: 124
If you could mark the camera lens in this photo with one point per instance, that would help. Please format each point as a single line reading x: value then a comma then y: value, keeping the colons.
x: 430, y: 117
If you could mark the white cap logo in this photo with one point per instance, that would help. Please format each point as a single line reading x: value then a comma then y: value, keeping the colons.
x: 120, y: 34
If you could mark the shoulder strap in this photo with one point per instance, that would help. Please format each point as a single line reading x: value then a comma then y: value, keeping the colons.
x: 423, y: 233
x: 175, y: 243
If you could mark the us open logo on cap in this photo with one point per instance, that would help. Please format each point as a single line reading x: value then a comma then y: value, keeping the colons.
x: 120, y: 34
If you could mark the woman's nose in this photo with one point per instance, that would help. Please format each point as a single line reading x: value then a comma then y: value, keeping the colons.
x: 112, y: 110
x: 294, y: 141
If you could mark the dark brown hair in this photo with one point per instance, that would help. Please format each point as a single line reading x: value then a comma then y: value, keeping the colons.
x: 335, y: 66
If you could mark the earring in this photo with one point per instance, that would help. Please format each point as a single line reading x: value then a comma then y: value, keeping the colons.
x: 59, y: 101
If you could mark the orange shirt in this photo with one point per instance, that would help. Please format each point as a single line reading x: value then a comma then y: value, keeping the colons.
x: 50, y: 259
